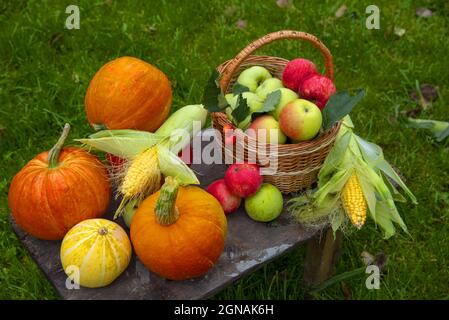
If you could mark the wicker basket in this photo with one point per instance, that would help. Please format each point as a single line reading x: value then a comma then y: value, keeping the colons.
x: 297, y: 164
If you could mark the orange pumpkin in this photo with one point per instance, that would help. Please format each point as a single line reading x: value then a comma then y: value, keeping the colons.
x: 57, y: 189
x: 128, y: 93
x: 179, y: 232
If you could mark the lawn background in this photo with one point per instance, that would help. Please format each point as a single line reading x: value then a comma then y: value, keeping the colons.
x: 45, y: 70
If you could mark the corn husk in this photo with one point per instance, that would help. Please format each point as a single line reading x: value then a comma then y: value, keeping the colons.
x: 352, y: 153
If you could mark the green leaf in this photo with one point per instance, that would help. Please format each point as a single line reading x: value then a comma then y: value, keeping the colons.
x: 440, y: 136
x: 338, y: 106
x: 270, y: 102
x: 211, y: 93
x: 241, y: 111
x: 238, y: 88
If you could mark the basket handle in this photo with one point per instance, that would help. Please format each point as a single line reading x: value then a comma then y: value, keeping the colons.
x: 234, y: 64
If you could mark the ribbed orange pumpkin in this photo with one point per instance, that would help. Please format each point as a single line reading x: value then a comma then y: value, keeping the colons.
x: 128, y: 93
x: 57, y: 189
x: 179, y: 233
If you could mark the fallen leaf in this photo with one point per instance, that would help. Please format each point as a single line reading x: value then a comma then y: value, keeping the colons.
x: 347, y: 292
x: 230, y: 11
x: 75, y: 77
x: 241, y: 24
x: 286, y: 4
x: 399, y: 31
x: 423, y: 12
x: 367, y: 258
x: 341, y: 11
x: 381, y: 260
x: 152, y: 29
x: 55, y: 38
x: 429, y: 93
x: 2, y: 129
x: 108, y: 3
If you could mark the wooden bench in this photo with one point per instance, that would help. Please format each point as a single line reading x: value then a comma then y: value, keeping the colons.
x: 249, y: 246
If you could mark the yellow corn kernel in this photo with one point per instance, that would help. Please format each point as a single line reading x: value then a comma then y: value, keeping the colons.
x: 143, y: 175
x: 354, y: 201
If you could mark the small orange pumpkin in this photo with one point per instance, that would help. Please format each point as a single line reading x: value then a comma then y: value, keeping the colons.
x: 128, y: 93
x: 57, y: 189
x: 179, y: 232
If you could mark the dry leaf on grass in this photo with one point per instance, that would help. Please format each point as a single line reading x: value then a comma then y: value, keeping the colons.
x: 341, y: 11
x: 286, y: 4
x: 399, y: 31
x: 429, y: 93
x: 241, y: 24
x: 423, y: 12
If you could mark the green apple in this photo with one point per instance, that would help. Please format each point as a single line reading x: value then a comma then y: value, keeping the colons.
x: 268, y: 86
x: 266, y: 204
x: 300, y: 120
x: 287, y: 96
x: 252, y: 99
x: 253, y: 77
x: 263, y: 127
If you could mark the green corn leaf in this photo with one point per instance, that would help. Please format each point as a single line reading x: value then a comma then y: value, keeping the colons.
x: 338, y: 106
x: 386, y: 168
x: 383, y: 220
x: 372, y: 153
x: 368, y: 190
x: 271, y: 102
x: 171, y: 165
x: 334, y: 157
x: 439, y: 129
x: 120, y: 144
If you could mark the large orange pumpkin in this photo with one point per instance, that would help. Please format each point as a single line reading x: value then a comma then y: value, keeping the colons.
x: 179, y: 233
x: 128, y: 93
x: 57, y: 189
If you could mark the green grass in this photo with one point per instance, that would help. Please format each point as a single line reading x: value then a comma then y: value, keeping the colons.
x: 45, y: 70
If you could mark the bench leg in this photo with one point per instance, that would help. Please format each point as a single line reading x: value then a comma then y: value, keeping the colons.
x: 323, y: 252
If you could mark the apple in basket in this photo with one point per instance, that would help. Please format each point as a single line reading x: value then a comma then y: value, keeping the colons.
x: 296, y: 71
x: 268, y: 86
x: 300, y: 120
x: 253, y: 77
x: 287, y: 96
x: 266, y: 129
x: 317, y: 88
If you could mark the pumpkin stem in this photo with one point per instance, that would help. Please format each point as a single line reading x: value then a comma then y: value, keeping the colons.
x: 53, y: 154
x: 166, y: 210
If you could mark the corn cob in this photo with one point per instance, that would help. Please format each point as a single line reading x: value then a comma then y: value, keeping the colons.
x: 354, y: 201
x: 143, y: 175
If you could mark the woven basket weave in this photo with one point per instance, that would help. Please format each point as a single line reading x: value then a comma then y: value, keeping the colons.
x: 297, y: 164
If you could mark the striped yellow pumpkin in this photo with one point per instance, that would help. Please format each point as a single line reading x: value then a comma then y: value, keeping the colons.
x: 95, y: 252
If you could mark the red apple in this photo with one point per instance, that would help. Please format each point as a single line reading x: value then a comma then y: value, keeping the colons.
x: 317, y: 88
x: 243, y: 179
x: 296, y: 71
x: 229, y: 201
x: 263, y: 127
x: 300, y: 120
